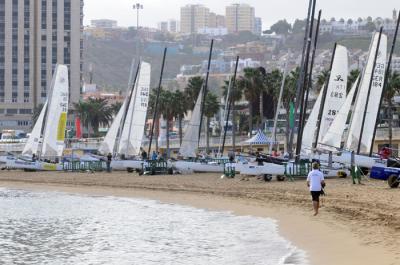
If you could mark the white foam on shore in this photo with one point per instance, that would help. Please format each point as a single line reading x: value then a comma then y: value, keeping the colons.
x: 56, y: 228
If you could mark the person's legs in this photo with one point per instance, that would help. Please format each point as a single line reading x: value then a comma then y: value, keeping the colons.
x: 315, y: 199
x: 316, y: 207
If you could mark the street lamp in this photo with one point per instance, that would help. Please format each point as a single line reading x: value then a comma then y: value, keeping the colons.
x: 137, y: 7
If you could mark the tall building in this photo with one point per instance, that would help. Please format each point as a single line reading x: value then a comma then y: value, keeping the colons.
x: 163, y: 26
x: 173, y: 26
x: 104, y: 23
x: 34, y: 37
x: 257, y: 26
x: 239, y: 17
x: 193, y: 17
x: 215, y: 21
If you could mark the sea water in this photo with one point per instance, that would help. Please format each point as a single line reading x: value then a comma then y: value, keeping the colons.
x: 59, y: 228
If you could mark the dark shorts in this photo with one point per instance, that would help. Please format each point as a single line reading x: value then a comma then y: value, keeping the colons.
x: 315, y: 195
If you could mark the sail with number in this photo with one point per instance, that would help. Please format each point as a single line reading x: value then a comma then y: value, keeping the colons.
x: 32, y: 145
x: 56, y: 120
x: 135, y: 121
x: 311, y: 125
x: 374, y: 99
x: 191, y: 138
x: 333, y: 137
x: 336, y: 90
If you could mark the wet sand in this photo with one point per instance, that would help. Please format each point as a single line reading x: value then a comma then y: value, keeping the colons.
x: 358, y: 224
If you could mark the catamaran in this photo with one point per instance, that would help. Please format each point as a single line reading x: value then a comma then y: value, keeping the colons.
x: 361, y: 107
x: 125, y: 136
x: 49, y: 127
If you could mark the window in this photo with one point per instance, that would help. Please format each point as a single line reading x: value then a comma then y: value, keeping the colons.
x: 12, y: 111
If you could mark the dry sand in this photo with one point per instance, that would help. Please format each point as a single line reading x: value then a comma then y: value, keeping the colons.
x: 358, y: 224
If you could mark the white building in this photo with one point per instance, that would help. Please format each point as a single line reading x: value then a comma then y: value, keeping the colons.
x: 213, y: 31
x: 104, y: 23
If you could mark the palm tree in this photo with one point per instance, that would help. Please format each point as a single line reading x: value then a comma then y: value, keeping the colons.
x: 322, y: 78
x: 192, y: 90
x: 352, y: 78
x: 36, y: 113
x: 180, y: 110
x: 167, y: 109
x: 94, y: 112
x: 211, y: 107
x: 289, y: 95
x: 82, y: 110
x: 237, y: 95
x: 392, y: 88
x: 252, y: 84
x: 273, y: 83
x: 115, y: 107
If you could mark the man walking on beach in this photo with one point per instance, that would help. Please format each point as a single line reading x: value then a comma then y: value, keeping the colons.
x: 315, y: 181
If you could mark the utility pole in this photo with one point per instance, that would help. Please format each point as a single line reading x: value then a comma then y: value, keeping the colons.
x: 137, y: 7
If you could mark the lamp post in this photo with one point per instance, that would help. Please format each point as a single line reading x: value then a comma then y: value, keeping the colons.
x: 137, y: 7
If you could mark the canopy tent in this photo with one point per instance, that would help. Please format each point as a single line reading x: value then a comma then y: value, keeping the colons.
x: 259, y: 139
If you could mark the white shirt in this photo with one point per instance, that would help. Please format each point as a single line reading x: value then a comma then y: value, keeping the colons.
x: 315, y: 178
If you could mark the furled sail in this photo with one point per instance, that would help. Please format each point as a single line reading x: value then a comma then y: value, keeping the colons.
x: 191, y: 138
x: 374, y: 99
x: 32, y: 145
x: 56, y: 120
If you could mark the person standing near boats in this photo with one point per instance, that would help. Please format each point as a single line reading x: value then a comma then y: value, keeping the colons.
x: 109, y: 158
x: 315, y: 181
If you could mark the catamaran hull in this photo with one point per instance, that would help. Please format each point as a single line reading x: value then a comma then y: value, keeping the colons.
x: 279, y: 170
x: 359, y: 160
x: 12, y: 163
x: 198, y: 167
x: 266, y: 169
x: 126, y: 164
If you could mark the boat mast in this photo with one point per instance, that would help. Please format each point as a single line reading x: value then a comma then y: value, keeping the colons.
x: 308, y: 86
x: 231, y: 100
x: 155, y: 111
x: 325, y: 91
x: 279, y: 100
x: 205, y: 90
x: 385, y: 83
x: 301, y: 76
x: 369, y: 90
x: 130, y: 91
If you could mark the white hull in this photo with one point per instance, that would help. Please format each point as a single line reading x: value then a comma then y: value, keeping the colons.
x: 125, y: 164
x: 15, y: 163
x: 359, y: 160
x: 279, y: 170
x: 266, y: 169
x: 191, y: 167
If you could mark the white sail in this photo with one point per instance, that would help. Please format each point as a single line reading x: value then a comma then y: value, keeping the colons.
x: 56, y: 120
x: 132, y: 134
x: 191, y: 137
x: 32, y: 145
x: 374, y: 99
x: 107, y: 146
x: 310, y: 127
x: 336, y: 90
x: 333, y: 137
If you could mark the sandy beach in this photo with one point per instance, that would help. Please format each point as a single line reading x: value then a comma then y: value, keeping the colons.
x: 358, y: 224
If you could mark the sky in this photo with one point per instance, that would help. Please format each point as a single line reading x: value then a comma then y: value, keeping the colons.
x: 269, y: 10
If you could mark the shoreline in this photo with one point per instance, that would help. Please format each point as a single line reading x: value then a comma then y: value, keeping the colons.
x: 326, y: 240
